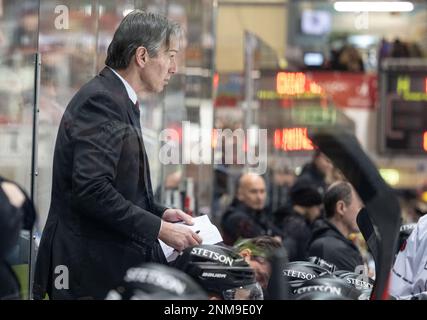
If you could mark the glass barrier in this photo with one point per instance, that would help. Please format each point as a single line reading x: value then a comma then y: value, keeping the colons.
x: 74, y: 37
x: 18, y: 47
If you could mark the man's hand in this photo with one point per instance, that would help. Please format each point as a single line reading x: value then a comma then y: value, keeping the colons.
x: 176, y: 215
x: 178, y: 236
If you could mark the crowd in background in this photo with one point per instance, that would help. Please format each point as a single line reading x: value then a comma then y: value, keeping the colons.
x: 348, y: 57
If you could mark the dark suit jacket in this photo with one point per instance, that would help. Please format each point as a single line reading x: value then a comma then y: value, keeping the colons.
x: 102, y: 218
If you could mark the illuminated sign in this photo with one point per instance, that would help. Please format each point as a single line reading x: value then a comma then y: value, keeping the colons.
x: 404, y: 90
x: 403, y: 113
x: 273, y: 95
x: 314, y: 116
x: 343, y: 89
x: 296, y: 83
x: 292, y: 139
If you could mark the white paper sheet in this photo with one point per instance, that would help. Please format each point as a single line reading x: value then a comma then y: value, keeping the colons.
x: 207, y: 231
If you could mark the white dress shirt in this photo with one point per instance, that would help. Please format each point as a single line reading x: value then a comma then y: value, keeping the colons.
x: 131, y: 93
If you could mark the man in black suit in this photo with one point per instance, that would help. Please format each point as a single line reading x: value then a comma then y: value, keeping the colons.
x: 103, y: 218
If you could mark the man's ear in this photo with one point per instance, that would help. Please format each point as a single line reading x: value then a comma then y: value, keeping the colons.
x: 141, y: 56
x: 340, y: 207
x: 246, y: 253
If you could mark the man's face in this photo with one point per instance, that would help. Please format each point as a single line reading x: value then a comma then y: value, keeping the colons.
x: 252, y: 192
x: 351, y: 212
x: 158, y: 70
x: 262, y: 269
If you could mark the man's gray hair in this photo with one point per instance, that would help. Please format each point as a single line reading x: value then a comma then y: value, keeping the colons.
x: 140, y: 28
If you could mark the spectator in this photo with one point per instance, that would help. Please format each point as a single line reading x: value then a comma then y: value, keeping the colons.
x: 350, y: 60
x: 296, y: 218
x: 246, y: 216
x: 400, y: 49
x: 24, y: 38
x: 415, y: 50
x: 385, y: 49
x: 330, y: 240
x: 316, y: 172
x: 281, y: 180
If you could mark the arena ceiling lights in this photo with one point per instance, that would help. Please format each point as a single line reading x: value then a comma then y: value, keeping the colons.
x: 373, y: 6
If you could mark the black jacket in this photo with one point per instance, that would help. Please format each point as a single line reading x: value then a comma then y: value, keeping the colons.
x: 296, y: 230
x: 240, y: 221
x: 329, y: 244
x: 102, y: 218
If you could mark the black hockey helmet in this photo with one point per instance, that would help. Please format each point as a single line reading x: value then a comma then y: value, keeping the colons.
x: 326, y: 287
x: 220, y: 270
x: 359, y: 281
x: 297, y: 272
x: 151, y: 281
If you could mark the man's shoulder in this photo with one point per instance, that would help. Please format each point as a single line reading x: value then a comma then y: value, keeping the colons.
x: 94, y: 90
x: 330, y: 241
x: 234, y: 213
x: 325, y: 232
x: 294, y: 218
x: 94, y: 87
x: 335, y: 251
